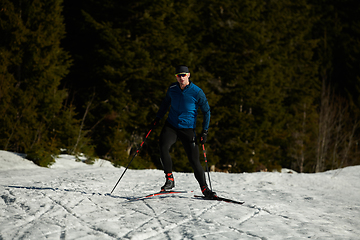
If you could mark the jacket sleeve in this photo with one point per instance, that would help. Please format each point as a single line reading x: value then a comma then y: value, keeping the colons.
x: 205, y: 109
x: 165, y: 104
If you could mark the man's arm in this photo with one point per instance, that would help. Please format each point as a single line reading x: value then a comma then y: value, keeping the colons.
x: 205, y: 109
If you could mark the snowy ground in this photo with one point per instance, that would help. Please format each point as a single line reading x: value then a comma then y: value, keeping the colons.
x: 71, y: 200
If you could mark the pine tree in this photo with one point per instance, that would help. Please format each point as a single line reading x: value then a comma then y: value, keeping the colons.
x: 136, y: 52
x: 337, y: 51
x: 254, y: 60
x: 251, y: 54
x: 33, y: 66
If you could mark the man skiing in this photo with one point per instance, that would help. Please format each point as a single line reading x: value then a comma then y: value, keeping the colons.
x: 184, y: 98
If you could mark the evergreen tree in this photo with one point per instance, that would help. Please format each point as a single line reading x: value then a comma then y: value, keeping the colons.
x: 32, y: 66
x: 252, y: 46
x: 136, y: 52
x: 254, y: 60
x: 337, y: 51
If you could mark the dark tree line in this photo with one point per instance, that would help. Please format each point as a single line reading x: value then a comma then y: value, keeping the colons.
x: 281, y: 77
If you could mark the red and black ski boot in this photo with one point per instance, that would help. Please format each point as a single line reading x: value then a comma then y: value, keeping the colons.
x: 208, y: 193
x: 169, y: 184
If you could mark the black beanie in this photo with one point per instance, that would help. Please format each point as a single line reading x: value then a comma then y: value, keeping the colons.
x: 181, y: 69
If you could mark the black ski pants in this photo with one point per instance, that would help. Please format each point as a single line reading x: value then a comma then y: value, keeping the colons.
x: 187, y: 136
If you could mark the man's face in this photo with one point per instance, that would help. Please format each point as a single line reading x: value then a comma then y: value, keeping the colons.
x: 183, y: 78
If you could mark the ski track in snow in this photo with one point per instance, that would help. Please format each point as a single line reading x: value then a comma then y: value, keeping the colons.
x: 152, y: 221
x: 74, y: 203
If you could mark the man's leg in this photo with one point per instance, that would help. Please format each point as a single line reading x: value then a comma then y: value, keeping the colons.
x: 187, y: 137
x: 168, y: 137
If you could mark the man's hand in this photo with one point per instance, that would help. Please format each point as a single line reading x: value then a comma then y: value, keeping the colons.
x: 154, y: 123
x: 203, y: 136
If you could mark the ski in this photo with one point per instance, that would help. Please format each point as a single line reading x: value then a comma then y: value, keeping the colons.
x: 161, y: 193
x: 220, y: 199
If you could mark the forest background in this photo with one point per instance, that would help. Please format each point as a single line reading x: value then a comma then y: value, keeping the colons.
x: 282, y: 79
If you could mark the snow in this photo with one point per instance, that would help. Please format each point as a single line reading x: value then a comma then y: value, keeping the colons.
x: 72, y: 200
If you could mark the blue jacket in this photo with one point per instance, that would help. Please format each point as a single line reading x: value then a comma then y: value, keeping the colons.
x: 184, y: 106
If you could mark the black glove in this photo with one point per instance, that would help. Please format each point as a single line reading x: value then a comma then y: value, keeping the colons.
x: 154, y: 123
x: 203, y: 136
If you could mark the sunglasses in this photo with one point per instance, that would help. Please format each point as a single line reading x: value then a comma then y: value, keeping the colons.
x: 180, y: 74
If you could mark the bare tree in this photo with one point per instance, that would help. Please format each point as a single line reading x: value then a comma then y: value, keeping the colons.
x: 326, y: 122
x: 336, y: 132
x: 80, y: 135
x: 298, y: 148
x: 349, y: 143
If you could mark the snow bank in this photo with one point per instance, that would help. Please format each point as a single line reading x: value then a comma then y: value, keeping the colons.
x: 9, y: 161
x: 66, y: 161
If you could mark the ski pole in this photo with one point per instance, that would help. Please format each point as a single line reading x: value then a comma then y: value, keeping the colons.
x: 131, y: 160
x: 207, y: 168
